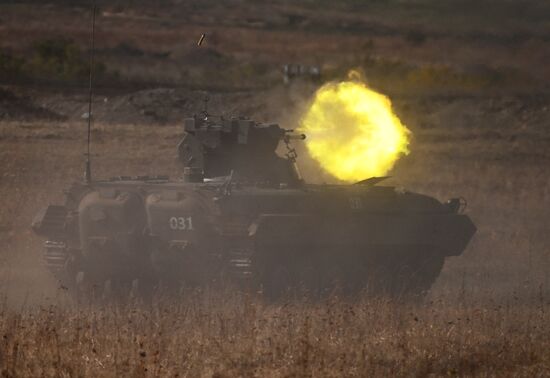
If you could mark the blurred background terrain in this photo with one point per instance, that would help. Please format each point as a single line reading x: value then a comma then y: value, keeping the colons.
x: 403, y: 46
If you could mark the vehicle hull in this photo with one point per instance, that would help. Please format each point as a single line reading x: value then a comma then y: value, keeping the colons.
x: 315, y: 238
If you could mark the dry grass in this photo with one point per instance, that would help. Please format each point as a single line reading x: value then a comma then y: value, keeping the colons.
x: 226, y: 335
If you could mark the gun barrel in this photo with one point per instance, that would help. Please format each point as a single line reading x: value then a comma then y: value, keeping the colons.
x: 295, y: 136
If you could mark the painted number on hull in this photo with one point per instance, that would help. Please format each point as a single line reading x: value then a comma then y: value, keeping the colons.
x: 181, y: 223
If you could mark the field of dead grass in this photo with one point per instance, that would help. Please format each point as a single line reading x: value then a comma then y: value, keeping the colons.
x: 212, y: 334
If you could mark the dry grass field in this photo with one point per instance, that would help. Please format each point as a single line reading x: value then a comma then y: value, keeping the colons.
x: 487, y: 140
x: 229, y: 335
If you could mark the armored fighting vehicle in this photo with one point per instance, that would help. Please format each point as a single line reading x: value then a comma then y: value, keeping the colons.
x: 241, y: 213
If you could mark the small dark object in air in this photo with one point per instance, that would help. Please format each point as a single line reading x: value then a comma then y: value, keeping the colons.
x: 201, y: 39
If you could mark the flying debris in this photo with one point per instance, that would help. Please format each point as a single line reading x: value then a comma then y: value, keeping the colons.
x: 201, y: 39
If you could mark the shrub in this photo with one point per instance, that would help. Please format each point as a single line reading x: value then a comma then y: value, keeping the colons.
x: 59, y: 59
x: 54, y: 59
x: 10, y: 66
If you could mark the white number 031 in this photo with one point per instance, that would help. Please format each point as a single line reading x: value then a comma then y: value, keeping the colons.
x: 181, y: 223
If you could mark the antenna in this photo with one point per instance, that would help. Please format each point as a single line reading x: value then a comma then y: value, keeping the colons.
x: 205, y: 111
x: 206, y: 98
x: 88, y: 172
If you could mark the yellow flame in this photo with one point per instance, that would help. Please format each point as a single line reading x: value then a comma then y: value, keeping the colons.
x: 352, y: 131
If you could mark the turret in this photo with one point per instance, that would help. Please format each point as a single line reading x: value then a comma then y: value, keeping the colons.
x: 220, y: 147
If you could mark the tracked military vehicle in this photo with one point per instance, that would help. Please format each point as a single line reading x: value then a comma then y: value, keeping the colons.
x: 240, y: 212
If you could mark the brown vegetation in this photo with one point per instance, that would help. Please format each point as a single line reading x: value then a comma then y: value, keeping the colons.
x: 229, y: 335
